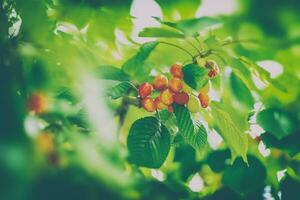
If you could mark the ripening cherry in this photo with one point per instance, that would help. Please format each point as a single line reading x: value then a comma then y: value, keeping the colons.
x: 159, y: 104
x: 166, y: 96
x: 160, y: 82
x: 181, y: 98
x: 176, y: 84
x: 204, y: 100
x: 37, y: 103
x: 145, y: 90
x: 193, y: 104
x: 176, y: 70
x: 213, y: 68
x: 149, y: 104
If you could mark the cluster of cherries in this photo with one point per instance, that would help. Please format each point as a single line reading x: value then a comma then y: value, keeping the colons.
x: 175, y: 91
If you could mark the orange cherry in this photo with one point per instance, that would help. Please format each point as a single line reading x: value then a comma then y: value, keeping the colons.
x: 166, y: 96
x: 176, y: 84
x: 160, y: 82
x: 213, y: 72
x: 148, y: 104
x: 204, y: 99
x: 176, y: 70
x: 159, y: 104
x: 37, y: 103
x: 145, y: 90
x: 181, y: 98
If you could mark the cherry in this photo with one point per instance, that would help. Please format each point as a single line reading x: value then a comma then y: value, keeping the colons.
x: 166, y: 96
x: 159, y: 104
x: 213, y: 68
x: 205, y: 88
x: 37, y: 103
x: 45, y: 143
x: 170, y: 108
x: 176, y: 84
x: 193, y: 104
x: 176, y: 70
x: 160, y: 82
x: 145, y: 90
x: 187, y: 89
x: 181, y: 98
x: 148, y: 104
x: 204, y: 100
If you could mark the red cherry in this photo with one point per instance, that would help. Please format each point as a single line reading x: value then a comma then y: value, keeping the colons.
x: 145, y: 90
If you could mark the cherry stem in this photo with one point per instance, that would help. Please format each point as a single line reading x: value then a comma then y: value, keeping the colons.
x: 179, y: 47
x: 190, y: 43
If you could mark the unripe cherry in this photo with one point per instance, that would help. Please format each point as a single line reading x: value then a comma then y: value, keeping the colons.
x: 160, y: 82
x: 187, y: 89
x: 193, y: 104
x: 159, y: 104
x: 176, y: 70
x: 148, y: 104
x: 181, y: 98
x: 205, y: 88
x: 37, y: 103
x: 176, y: 84
x: 166, y: 96
x: 145, y: 90
x: 204, y: 100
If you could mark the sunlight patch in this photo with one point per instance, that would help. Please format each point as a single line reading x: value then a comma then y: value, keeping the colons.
x: 216, y: 7
x: 143, y: 17
x: 273, y: 67
x: 157, y: 174
x: 196, y: 183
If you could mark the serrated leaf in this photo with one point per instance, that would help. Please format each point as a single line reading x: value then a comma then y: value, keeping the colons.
x: 192, y: 131
x: 192, y: 26
x: 263, y: 74
x: 236, y: 140
x: 119, y: 90
x: 148, y: 142
x: 278, y: 122
x: 241, y: 91
x: 195, y: 76
x: 160, y: 32
x: 111, y: 73
x: 135, y: 65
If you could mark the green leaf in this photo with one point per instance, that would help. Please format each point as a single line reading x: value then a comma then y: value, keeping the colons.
x: 148, y: 142
x: 241, y: 91
x: 289, y: 144
x: 119, y: 90
x: 134, y: 66
x: 111, y: 73
x: 160, y: 32
x: 195, y: 76
x: 217, y: 160
x: 279, y: 122
x: 263, y: 74
x: 192, y: 131
x: 192, y: 26
x: 245, y: 179
x: 236, y: 140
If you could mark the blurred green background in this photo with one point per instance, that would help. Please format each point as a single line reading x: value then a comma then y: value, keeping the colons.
x: 76, y: 149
